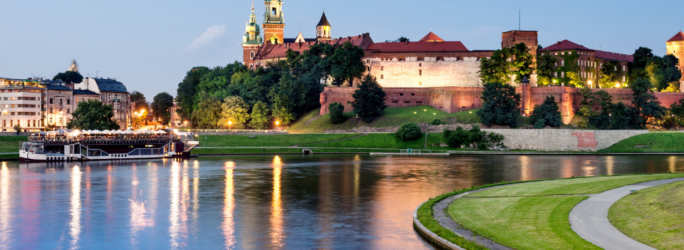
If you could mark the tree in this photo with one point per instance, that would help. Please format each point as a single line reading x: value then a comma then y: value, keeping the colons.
x: 369, y: 99
x: 546, y: 66
x: 69, y: 77
x: 620, y: 116
x: 664, y: 72
x: 160, y: 107
x: 506, y: 62
x: 500, y: 105
x: 575, y: 80
x: 521, y: 61
x: 283, y: 110
x: 139, y: 118
x: 408, y: 132
x: 93, y: 115
x: 336, y: 110
x: 187, y: 91
x: 645, y: 103
x: 548, y: 113
x: 140, y: 101
x: 208, y: 113
x: 640, y: 59
x: 235, y: 111
x: 610, y: 74
x: 401, y: 39
x: 601, y: 117
x: 260, y: 118
x: 346, y: 64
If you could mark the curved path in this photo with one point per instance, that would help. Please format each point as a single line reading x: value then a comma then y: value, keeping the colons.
x: 589, y: 219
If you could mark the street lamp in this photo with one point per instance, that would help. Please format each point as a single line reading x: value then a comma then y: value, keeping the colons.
x: 277, y: 123
x: 229, y: 124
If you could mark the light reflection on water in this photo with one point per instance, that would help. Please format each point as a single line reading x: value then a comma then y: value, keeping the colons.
x: 258, y: 202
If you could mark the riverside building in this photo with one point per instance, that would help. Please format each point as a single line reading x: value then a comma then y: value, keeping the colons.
x: 20, y: 104
x: 112, y: 92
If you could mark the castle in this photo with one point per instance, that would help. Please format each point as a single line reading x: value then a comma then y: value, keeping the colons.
x: 439, y: 73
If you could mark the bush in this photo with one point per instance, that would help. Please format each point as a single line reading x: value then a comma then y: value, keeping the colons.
x: 369, y: 99
x: 472, y: 138
x: 547, y: 114
x: 336, y: 112
x: 436, y: 122
x: 408, y: 132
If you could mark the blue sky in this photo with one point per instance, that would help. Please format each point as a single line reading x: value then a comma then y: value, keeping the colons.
x: 149, y: 45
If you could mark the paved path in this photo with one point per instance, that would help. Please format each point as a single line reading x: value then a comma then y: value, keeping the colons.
x: 589, y: 219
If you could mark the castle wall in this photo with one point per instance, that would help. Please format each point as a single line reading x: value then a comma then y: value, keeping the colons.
x: 563, y: 139
x: 453, y: 71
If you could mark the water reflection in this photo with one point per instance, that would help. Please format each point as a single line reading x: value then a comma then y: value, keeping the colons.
x: 75, y: 211
x: 276, y: 209
x: 258, y: 202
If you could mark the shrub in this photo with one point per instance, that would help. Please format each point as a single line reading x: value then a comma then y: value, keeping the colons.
x: 472, y: 138
x: 436, y: 122
x: 336, y: 112
x: 408, y: 132
x: 547, y: 114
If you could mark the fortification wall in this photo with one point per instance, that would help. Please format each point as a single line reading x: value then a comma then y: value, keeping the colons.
x: 563, y: 139
x: 460, y: 72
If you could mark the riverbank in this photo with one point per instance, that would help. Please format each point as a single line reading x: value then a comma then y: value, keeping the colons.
x: 530, y: 215
x: 654, y: 216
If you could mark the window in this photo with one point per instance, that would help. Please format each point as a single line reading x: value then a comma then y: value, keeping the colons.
x: 420, y: 72
x: 420, y: 59
x: 367, y: 60
x: 440, y: 58
x: 382, y: 68
x: 420, y: 65
x: 50, y: 110
x: 413, y: 94
x: 273, y: 11
x: 563, y: 62
x: 251, y: 55
x: 68, y: 101
x: 420, y: 83
x: 401, y: 94
x: 68, y: 111
x: 402, y: 59
x: 562, y: 74
x: 50, y: 100
x: 382, y: 76
x: 407, y: 102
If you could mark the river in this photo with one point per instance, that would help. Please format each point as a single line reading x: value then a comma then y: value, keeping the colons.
x: 258, y: 202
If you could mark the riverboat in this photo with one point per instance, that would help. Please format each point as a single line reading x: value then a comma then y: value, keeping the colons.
x: 89, y: 145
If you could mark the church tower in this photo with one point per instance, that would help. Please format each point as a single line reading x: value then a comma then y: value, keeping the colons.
x: 251, y: 41
x: 274, y: 22
x: 323, y: 29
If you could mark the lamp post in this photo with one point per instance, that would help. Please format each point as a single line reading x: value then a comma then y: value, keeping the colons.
x: 229, y: 124
x: 277, y: 123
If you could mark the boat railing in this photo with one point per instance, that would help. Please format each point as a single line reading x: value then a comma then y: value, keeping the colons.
x: 76, y: 139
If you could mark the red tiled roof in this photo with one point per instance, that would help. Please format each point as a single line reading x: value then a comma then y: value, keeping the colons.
x: 678, y: 37
x: 613, y: 56
x: 419, y: 47
x: 431, y: 37
x: 273, y: 51
x: 565, y: 45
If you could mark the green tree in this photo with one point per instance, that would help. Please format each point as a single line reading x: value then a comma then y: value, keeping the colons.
x: 546, y: 66
x: 640, y: 59
x: 140, y: 101
x: 369, y: 99
x: 506, y: 62
x: 401, y: 39
x: 600, y: 118
x: 283, y: 110
x: 548, y: 113
x: 187, y: 92
x: 645, y: 103
x: 664, y: 72
x: 575, y: 80
x: 408, y: 132
x: 235, y: 111
x: 208, y: 113
x: 160, y: 107
x: 336, y: 110
x: 346, y: 64
x: 499, y: 105
x: 69, y: 77
x: 610, y: 74
x: 620, y: 116
x: 260, y: 117
x: 93, y: 115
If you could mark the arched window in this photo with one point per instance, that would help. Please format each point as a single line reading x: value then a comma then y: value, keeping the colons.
x: 251, y: 55
x: 325, y: 32
x: 440, y: 58
x: 402, y: 59
x: 420, y: 59
x: 459, y: 58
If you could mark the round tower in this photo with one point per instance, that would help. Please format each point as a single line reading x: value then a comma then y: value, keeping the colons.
x: 675, y: 47
x: 323, y: 29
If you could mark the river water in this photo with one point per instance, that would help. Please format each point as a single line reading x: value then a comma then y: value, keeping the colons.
x: 258, y: 202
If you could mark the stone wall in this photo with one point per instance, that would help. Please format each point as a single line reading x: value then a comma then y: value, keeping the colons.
x: 460, y: 72
x: 563, y: 139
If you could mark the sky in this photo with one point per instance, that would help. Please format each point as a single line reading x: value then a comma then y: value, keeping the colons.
x: 149, y: 45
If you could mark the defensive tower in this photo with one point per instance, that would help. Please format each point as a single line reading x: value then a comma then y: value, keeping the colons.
x: 274, y: 22
x: 323, y: 29
x: 675, y: 46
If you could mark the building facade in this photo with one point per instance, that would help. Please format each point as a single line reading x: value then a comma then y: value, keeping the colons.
x: 675, y: 46
x: 21, y: 103
x: 112, y: 92
x: 59, y: 105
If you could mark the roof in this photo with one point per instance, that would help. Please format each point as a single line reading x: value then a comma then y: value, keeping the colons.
x: 565, y: 45
x: 419, y: 47
x: 431, y: 37
x: 274, y: 51
x: 292, y: 40
x: 84, y: 92
x: 678, y: 37
x: 57, y: 87
x: 110, y: 85
x: 613, y: 56
x: 324, y: 21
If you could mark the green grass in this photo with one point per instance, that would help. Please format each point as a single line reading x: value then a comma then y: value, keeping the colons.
x: 10, y: 156
x: 664, y: 142
x: 284, y: 140
x: 522, y: 222
x: 9, y: 144
x: 425, y: 213
x: 392, y: 117
x: 653, y: 216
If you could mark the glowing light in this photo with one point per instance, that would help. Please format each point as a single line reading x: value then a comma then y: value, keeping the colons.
x: 228, y: 225
x: 276, y: 209
x: 415, y: 112
x: 617, y: 85
x: 75, y: 211
x: 174, y: 215
x: 5, y: 206
x: 277, y: 122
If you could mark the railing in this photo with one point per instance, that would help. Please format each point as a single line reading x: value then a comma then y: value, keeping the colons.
x: 232, y: 130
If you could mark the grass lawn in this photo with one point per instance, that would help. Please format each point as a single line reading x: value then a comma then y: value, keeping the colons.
x: 653, y: 216
x: 665, y: 142
x: 529, y: 216
x: 392, y: 117
x: 267, y: 140
x: 9, y: 144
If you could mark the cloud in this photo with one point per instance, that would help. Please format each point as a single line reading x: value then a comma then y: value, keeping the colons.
x: 209, y: 36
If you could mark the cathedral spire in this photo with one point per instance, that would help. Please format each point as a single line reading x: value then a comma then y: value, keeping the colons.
x: 252, y: 31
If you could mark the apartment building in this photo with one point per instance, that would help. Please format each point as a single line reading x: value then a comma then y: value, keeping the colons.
x: 20, y: 103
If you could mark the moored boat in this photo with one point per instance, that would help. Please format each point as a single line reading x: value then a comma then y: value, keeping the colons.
x: 75, y: 145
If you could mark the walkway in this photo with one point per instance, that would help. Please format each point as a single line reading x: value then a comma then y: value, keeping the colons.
x: 589, y: 219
